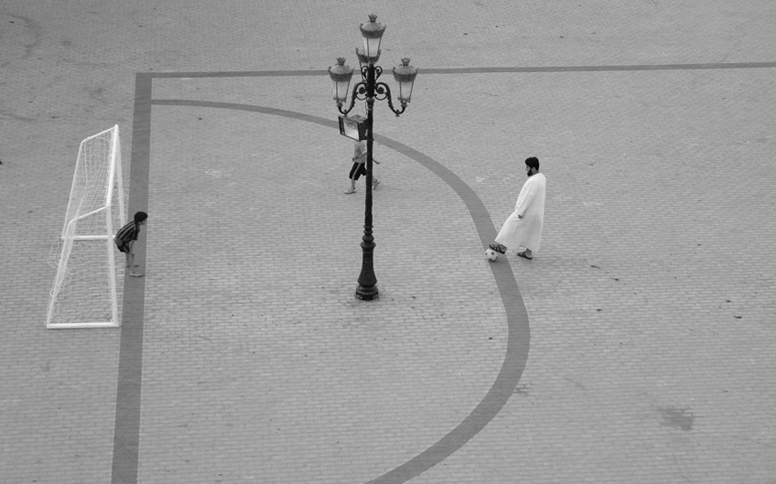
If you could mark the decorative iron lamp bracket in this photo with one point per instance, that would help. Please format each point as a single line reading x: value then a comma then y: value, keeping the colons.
x: 382, y: 92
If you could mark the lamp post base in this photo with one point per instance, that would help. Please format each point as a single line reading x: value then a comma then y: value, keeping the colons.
x: 367, y: 293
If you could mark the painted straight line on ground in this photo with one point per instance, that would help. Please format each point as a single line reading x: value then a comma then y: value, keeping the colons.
x: 126, y: 433
x: 482, y: 70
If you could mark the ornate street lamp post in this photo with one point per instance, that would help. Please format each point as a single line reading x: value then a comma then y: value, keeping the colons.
x: 369, y: 90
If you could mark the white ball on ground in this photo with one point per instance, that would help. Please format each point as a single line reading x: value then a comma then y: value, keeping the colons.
x: 491, y: 255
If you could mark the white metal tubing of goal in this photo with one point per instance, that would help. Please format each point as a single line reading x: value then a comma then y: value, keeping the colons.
x: 114, y: 177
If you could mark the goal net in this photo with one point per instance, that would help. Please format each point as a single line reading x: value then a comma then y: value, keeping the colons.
x: 85, y: 292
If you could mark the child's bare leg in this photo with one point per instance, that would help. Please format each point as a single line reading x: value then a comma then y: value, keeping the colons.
x: 352, y: 188
x: 132, y: 266
x: 130, y: 259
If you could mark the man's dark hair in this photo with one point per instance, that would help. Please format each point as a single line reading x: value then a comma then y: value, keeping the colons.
x: 140, y: 216
x: 532, y: 162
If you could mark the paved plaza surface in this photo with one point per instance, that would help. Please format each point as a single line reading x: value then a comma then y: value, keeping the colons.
x: 637, y: 346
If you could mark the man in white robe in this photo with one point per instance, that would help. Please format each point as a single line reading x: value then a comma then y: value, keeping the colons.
x: 523, y: 229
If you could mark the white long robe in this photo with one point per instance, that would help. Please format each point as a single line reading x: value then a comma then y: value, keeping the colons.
x: 526, y: 232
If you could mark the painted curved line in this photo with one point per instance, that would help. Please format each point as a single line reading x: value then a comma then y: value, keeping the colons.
x: 518, y: 338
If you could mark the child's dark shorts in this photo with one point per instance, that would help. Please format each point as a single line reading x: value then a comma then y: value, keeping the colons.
x: 357, y: 170
x: 122, y: 247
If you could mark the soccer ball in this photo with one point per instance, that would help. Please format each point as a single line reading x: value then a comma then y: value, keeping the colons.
x: 491, y: 255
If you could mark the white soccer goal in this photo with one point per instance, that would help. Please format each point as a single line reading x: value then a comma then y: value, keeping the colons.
x: 84, y: 294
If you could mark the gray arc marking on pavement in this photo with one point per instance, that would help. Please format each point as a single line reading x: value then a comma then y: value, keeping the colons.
x: 518, y: 338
